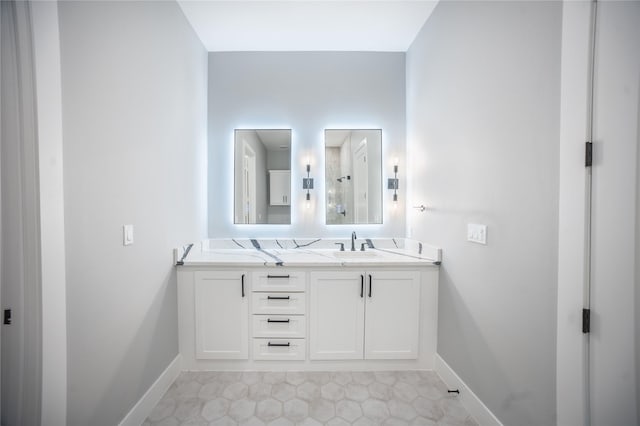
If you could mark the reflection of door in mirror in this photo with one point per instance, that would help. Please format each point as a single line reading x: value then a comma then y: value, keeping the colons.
x: 248, y: 184
x: 260, y: 155
x: 361, y: 183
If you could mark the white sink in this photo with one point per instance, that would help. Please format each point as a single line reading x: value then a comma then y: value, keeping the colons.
x: 355, y: 254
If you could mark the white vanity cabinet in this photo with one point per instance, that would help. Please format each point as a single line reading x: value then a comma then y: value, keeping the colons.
x: 221, y: 314
x: 310, y: 316
x: 278, y: 307
x: 364, y: 314
x: 336, y: 315
x: 392, y: 315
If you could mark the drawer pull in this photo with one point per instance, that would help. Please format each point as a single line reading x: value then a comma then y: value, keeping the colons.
x: 278, y: 276
x: 278, y: 297
x: 369, y: 285
x: 361, y: 286
x: 242, y: 285
x: 279, y: 344
x: 278, y: 320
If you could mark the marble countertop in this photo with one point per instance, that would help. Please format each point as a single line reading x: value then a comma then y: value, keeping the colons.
x: 307, y: 252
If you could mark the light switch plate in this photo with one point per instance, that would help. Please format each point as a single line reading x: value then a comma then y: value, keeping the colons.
x: 477, y: 233
x: 127, y: 235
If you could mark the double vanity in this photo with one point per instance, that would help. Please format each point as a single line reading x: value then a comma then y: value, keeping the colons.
x: 303, y: 304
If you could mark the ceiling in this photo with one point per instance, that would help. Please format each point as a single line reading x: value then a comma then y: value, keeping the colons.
x: 275, y: 140
x: 335, y: 138
x: 301, y: 25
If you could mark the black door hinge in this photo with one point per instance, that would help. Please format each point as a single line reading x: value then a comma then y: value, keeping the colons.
x: 7, y: 316
x: 588, y: 154
x: 586, y: 320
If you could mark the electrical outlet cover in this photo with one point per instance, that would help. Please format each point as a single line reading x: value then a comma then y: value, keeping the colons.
x: 477, y: 233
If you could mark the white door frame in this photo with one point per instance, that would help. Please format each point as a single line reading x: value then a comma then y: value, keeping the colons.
x: 361, y: 183
x: 46, y: 47
x: 574, y: 362
x: 21, y: 257
x: 248, y: 184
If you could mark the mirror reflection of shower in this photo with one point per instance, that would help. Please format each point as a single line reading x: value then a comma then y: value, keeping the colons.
x: 353, y: 176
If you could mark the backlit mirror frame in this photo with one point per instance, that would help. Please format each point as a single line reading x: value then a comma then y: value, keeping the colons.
x: 262, y: 176
x: 353, y: 176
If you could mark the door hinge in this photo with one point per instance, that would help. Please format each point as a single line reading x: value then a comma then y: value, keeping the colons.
x: 588, y: 154
x: 586, y: 320
x: 7, y: 317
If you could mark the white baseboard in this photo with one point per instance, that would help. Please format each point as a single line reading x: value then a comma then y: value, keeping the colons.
x: 469, y: 400
x: 153, y: 395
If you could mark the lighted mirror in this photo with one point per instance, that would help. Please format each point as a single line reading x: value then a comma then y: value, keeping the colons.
x: 262, y: 176
x: 353, y: 176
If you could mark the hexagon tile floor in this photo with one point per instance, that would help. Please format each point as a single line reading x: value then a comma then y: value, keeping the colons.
x: 309, y: 398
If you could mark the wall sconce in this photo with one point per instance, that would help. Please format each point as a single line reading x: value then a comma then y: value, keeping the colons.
x: 392, y: 183
x: 307, y: 183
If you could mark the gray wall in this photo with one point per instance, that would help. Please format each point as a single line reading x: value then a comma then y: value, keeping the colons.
x: 134, y: 121
x: 307, y: 92
x: 483, y: 87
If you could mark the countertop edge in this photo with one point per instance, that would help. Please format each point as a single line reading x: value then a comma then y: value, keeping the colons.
x: 424, y: 263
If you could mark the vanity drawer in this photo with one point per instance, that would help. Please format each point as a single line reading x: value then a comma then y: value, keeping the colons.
x: 278, y: 303
x: 279, y: 281
x: 279, y: 349
x: 280, y: 326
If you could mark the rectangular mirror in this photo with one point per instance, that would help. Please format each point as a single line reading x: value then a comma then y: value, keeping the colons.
x: 353, y: 176
x: 262, y: 176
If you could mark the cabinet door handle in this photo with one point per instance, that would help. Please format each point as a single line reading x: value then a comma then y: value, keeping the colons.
x: 278, y: 276
x: 361, y: 285
x: 279, y: 344
x: 242, y: 280
x: 278, y: 320
x: 369, y: 285
x: 278, y: 297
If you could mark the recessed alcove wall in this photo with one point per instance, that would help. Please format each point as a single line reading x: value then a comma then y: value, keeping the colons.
x: 307, y: 92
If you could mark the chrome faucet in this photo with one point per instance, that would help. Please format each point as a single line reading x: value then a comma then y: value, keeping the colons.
x: 353, y: 241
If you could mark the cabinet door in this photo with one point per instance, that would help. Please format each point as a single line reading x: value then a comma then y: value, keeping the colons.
x: 222, y: 315
x: 336, y: 315
x: 279, y: 187
x: 392, y: 319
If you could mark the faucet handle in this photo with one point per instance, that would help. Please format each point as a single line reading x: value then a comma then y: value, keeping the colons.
x: 362, y: 246
x: 341, y: 246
